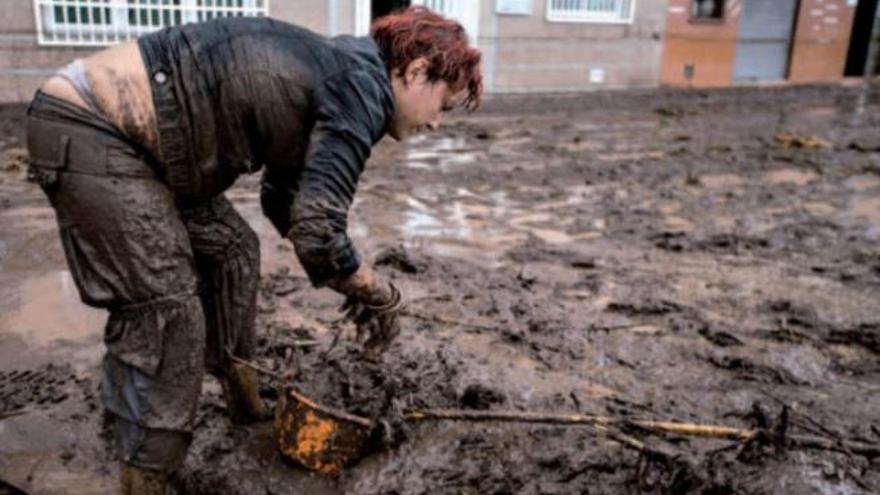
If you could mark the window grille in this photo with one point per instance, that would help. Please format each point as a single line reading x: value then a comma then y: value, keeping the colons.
x: 607, y: 11
x: 466, y: 12
x: 105, y: 22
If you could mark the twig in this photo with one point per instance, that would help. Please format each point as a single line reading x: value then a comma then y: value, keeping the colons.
x: 674, y: 427
x: 679, y: 428
x: 845, y: 446
x: 12, y: 413
x: 257, y: 367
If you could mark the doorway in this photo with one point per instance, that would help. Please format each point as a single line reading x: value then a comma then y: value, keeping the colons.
x: 382, y: 8
x: 763, y: 47
x: 860, y: 40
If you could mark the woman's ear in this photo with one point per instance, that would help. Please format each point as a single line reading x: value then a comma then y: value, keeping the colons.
x: 416, y: 68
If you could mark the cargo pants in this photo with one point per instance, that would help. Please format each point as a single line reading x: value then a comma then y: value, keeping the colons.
x: 180, y: 285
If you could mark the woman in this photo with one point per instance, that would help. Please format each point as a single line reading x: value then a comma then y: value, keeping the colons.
x: 134, y: 147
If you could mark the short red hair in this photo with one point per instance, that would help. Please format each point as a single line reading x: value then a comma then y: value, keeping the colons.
x: 417, y: 32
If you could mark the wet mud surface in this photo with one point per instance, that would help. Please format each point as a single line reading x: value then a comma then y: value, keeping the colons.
x: 709, y: 257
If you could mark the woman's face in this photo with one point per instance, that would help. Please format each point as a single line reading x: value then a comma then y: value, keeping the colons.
x: 419, y: 103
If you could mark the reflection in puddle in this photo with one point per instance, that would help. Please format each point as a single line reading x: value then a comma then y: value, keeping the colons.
x: 863, y: 182
x: 444, y: 152
x: 790, y: 176
x: 718, y: 181
x: 49, y: 309
x: 485, y: 226
x: 43, y: 321
x: 868, y: 208
x: 865, y: 211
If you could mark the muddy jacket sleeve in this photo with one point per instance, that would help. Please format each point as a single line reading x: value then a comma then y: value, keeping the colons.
x: 351, y: 115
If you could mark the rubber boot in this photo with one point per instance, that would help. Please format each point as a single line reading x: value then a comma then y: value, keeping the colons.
x: 140, y: 481
x: 241, y: 390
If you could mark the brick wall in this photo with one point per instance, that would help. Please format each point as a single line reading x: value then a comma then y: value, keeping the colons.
x: 821, y: 40
x: 530, y: 53
x: 709, y: 46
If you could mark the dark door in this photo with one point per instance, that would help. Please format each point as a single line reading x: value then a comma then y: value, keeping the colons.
x: 764, y: 42
x: 860, y: 40
x: 385, y: 7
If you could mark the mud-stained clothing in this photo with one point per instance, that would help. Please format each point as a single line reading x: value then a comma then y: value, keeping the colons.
x: 153, y: 240
x: 180, y: 286
x: 240, y: 95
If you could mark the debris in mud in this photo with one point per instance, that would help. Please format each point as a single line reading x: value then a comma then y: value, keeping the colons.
x: 748, y: 370
x: 399, y: 258
x: 866, y: 335
x: 720, y: 337
x: 721, y: 243
x: 670, y: 111
x: 648, y: 306
x: 480, y: 396
x: 788, y: 139
x: 35, y: 388
x: 865, y: 145
x: 282, y: 283
x: 343, y: 378
x: 13, y: 160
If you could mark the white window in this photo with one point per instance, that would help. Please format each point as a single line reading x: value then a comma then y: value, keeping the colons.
x: 608, y: 11
x: 520, y: 7
x: 104, y: 22
x: 466, y: 12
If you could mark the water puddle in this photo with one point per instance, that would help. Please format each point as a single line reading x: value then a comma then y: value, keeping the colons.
x: 867, y: 209
x: 819, y: 209
x: 790, y: 176
x: 46, y: 315
x: 631, y: 156
x: 484, y: 226
x: 863, y: 182
x: 50, y: 309
x: 444, y: 153
x: 720, y: 181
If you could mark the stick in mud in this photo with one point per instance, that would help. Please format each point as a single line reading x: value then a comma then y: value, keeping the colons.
x: 674, y: 427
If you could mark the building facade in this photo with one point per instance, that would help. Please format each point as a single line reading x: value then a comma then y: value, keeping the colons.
x: 527, y: 45
x: 723, y: 42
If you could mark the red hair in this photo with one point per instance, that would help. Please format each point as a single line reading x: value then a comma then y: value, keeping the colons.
x: 417, y: 32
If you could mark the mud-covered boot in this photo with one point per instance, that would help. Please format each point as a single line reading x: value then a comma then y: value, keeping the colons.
x: 140, y: 481
x: 241, y: 391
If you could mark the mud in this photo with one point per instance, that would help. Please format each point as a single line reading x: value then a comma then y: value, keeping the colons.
x: 661, y: 255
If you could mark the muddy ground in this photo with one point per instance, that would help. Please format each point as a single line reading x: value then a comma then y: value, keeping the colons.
x: 709, y: 257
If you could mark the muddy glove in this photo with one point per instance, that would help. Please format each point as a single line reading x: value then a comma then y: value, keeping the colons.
x: 376, y: 320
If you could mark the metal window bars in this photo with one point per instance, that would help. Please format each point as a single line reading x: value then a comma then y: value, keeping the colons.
x: 600, y: 11
x: 106, y: 22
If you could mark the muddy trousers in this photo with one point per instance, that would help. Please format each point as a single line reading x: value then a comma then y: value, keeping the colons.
x: 180, y: 286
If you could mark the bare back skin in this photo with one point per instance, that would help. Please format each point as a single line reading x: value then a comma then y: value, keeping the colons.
x: 121, y: 87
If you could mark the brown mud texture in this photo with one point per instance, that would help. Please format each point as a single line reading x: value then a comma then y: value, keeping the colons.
x: 709, y: 257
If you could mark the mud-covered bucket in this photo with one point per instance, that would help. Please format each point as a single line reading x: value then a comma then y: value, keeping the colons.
x: 317, y: 437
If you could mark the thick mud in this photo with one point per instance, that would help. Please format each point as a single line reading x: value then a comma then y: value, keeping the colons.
x: 709, y: 257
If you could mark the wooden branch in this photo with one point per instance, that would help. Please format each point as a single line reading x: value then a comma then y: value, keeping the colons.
x: 673, y: 427
x: 679, y: 428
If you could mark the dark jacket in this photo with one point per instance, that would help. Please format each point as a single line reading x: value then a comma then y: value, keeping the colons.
x: 262, y: 94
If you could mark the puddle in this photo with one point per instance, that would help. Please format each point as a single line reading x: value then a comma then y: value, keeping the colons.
x: 678, y: 224
x: 630, y: 155
x: 46, y: 315
x: 446, y: 152
x: 819, y: 209
x: 719, y: 181
x: 790, y: 176
x: 863, y: 182
x: 50, y: 309
x: 485, y: 226
x: 867, y: 209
